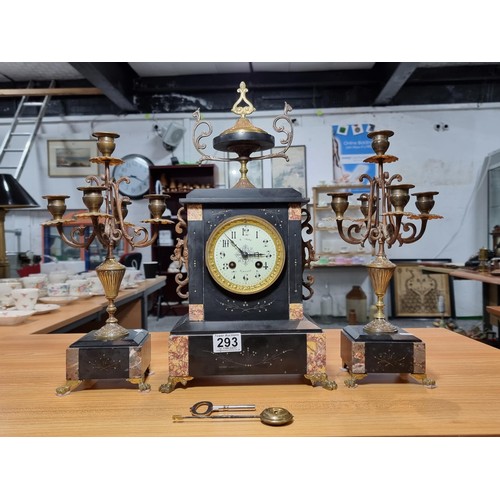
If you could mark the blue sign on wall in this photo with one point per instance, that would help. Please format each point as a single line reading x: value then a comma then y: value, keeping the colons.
x: 350, y: 147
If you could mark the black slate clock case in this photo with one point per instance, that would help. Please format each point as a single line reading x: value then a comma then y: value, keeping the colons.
x: 276, y: 337
x: 216, y: 206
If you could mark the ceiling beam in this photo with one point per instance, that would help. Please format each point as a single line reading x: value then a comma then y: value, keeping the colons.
x: 50, y: 91
x: 114, y: 79
x: 397, y: 75
x: 254, y: 81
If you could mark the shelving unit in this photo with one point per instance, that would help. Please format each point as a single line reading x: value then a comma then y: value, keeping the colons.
x: 176, y: 181
x: 330, y: 249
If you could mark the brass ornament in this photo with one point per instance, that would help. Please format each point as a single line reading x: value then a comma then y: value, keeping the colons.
x: 106, y: 210
x: 243, y: 138
x: 383, y: 222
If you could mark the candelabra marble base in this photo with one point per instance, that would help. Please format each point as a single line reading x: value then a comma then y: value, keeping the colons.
x: 90, y: 358
x: 399, y: 352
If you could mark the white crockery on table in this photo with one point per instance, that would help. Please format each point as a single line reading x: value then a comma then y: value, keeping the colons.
x: 6, y: 299
x: 58, y: 276
x: 11, y: 317
x: 96, y: 286
x: 36, y: 281
x: 42, y: 276
x: 133, y: 274
x: 57, y: 289
x: 78, y: 287
x: 12, y: 282
x: 25, y: 298
x: 45, y: 308
x: 61, y: 300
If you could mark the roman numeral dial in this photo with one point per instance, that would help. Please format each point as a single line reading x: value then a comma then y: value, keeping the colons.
x: 245, y: 254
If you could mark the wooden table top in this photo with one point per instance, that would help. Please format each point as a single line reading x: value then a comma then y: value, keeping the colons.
x: 495, y: 310
x: 82, y: 308
x: 464, y: 273
x: 466, y: 400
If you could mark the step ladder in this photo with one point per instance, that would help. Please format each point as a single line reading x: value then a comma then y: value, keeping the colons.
x: 19, y: 138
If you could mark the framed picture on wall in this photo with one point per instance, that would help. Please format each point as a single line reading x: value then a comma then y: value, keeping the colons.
x: 254, y: 174
x: 291, y: 173
x: 420, y: 294
x: 71, y: 158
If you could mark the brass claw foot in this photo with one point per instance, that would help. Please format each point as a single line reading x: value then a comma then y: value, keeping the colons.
x: 68, y: 387
x: 352, y: 381
x: 428, y: 383
x: 321, y: 379
x: 143, y: 386
x: 172, y: 382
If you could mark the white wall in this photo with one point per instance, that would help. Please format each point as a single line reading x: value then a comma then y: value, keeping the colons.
x: 449, y: 162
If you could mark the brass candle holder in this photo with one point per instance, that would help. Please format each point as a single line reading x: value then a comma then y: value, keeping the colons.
x: 383, y: 223
x: 106, y: 210
x: 379, y: 346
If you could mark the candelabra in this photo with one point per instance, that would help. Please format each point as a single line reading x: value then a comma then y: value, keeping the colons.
x: 109, y: 226
x: 384, y: 223
x: 383, y: 210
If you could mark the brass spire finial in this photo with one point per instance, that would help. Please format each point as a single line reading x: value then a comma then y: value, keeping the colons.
x: 243, y: 110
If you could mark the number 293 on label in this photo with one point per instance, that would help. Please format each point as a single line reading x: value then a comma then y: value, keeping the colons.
x: 227, y: 342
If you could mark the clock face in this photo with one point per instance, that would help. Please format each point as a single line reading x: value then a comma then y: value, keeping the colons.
x: 245, y: 254
x: 136, y: 169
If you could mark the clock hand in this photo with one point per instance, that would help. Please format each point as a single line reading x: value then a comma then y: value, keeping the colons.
x: 256, y: 254
x: 243, y: 254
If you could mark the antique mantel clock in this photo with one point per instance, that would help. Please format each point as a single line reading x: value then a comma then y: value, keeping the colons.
x: 246, y: 258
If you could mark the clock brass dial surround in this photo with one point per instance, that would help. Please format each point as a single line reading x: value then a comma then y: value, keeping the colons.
x: 247, y: 250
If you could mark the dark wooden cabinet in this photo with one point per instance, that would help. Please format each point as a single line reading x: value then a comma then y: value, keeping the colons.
x: 176, y: 181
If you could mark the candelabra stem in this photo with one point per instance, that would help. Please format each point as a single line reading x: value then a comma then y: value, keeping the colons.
x: 111, y: 273
x: 380, y: 271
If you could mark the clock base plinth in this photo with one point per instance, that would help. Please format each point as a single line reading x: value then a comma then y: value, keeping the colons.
x: 90, y: 359
x: 399, y: 352
x: 290, y: 348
